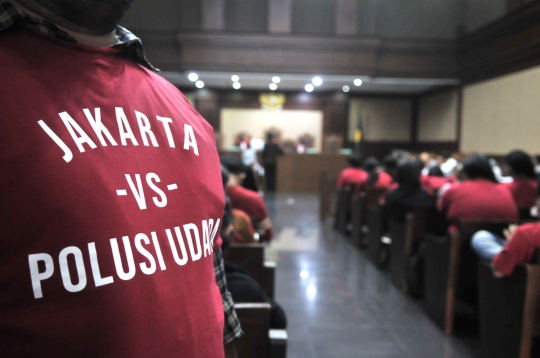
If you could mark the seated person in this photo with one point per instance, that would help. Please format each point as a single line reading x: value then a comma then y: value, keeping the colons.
x: 518, y: 248
x: 390, y: 166
x: 246, y: 200
x: 524, y: 185
x: 354, y: 175
x: 447, y: 163
x: 434, y: 180
x: 377, y: 179
x: 478, y: 196
x: 409, y: 193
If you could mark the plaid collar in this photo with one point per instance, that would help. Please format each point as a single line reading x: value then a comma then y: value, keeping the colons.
x: 126, y: 41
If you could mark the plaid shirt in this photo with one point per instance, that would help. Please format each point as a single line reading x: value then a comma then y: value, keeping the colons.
x: 129, y: 44
x: 132, y: 47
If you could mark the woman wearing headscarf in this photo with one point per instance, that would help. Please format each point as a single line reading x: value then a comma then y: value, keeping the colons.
x: 377, y: 179
x: 409, y: 193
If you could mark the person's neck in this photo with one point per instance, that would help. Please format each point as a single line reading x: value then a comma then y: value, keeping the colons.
x: 86, y: 39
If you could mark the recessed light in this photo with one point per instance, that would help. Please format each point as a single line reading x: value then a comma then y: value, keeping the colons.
x: 276, y: 79
x: 358, y: 82
x: 193, y: 77
x: 346, y: 88
x: 199, y: 84
x: 236, y: 85
x: 235, y: 78
x: 317, y: 81
x: 272, y: 86
x: 309, y: 87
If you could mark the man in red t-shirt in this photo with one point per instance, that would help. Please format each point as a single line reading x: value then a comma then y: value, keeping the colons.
x: 354, y: 175
x: 110, y: 194
x: 247, y: 200
x: 518, y: 248
x: 524, y: 184
x: 479, y: 196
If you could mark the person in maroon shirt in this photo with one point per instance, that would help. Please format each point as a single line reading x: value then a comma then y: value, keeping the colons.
x: 479, y: 196
x: 377, y: 179
x: 518, y: 248
x: 354, y: 175
x: 524, y: 186
x: 247, y: 200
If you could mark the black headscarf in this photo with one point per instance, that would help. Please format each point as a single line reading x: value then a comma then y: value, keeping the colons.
x: 408, y: 177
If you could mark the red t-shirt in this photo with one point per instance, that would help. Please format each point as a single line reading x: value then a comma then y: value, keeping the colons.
x: 519, y: 250
x: 252, y: 204
x: 478, y: 199
x: 432, y: 183
x: 110, y: 206
x: 352, y: 176
x: 523, y: 191
x: 385, y: 181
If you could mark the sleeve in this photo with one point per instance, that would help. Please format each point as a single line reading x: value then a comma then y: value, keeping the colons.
x: 517, y: 252
x: 232, y: 329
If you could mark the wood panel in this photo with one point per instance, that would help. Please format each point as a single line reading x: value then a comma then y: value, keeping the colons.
x: 302, y: 172
x: 381, y: 149
x: 507, y: 45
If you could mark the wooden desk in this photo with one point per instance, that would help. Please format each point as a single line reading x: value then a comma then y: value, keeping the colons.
x: 302, y: 172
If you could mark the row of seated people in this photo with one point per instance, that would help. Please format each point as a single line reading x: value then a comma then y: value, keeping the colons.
x: 246, y: 221
x: 477, y: 195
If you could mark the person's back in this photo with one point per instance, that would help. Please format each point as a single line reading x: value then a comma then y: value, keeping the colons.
x: 111, y: 198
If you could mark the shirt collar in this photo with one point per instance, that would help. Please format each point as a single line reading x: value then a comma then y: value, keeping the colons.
x: 126, y: 41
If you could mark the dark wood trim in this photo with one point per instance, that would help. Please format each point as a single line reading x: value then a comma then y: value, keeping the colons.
x: 507, y: 45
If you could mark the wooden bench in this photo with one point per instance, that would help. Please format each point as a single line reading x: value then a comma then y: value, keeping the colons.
x: 450, y: 273
x: 509, y: 311
x: 377, y: 223
x: 358, y: 207
x: 327, y: 189
x: 251, y: 258
x: 343, y: 208
x: 259, y: 341
x: 407, y: 236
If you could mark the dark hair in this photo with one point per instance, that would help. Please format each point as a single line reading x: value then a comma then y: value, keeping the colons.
x: 408, y: 176
x: 445, y: 154
x: 234, y: 164
x: 477, y: 167
x: 521, y: 163
x: 354, y: 162
x: 224, y: 175
x: 370, y: 164
x: 435, y: 171
x: 390, y: 166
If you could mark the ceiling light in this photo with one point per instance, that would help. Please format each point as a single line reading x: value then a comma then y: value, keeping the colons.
x: 346, y: 88
x: 236, y: 85
x: 235, y: 78
x: 358, y: 82
x: 276, y: 79
x: 272, y: 86
x: 199, y: 84
x: 317, y: 81
x: 193, y: 77
x: 309, y: 87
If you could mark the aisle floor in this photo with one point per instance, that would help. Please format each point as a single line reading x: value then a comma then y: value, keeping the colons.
x: 338, y: 304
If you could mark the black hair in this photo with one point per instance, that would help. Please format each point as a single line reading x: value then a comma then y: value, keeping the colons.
x: 477, y: 167
x: 445, y: 154
x: 390, y: 166
x: 370, y: 164
x: 234, y: 164
x: 521, y: 163
x: 408, y: 176
x: 354, y: 162
x: 435, y: 171
x: 224, y: 175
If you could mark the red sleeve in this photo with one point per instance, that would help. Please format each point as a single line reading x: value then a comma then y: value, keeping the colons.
x: 517, y: 252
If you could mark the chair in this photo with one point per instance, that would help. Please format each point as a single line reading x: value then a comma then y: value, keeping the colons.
x: 509, y: 310
x: 259, y: 341
x: 251, y: 258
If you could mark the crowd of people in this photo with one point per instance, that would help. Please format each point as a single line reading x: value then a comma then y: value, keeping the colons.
x: 461, y: 187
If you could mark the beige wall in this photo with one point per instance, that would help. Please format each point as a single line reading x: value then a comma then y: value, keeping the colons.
x: 502, y: 114
x: 437, y: 117
x: 292, y: 123
x: 382, y: 119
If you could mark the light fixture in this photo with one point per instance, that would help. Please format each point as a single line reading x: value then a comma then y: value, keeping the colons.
x: 309, y: 87
x: 235, y: 78
x: 317, y: 81
x: 346, y: 88
x: 236, y: 85
x: 358, y: 82
x: 199, y: 84
x: 193, y: 77
x: 272, y: 86
x: 276, y: 79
